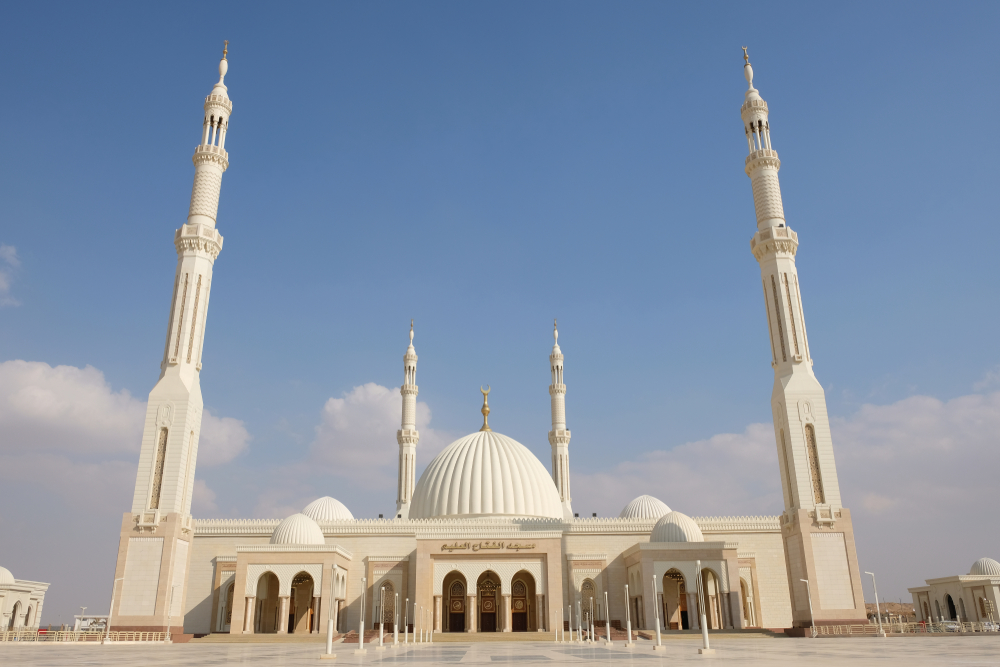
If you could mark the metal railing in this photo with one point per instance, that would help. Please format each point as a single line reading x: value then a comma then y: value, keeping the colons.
x: 24, y: 635
x: 903, y: 628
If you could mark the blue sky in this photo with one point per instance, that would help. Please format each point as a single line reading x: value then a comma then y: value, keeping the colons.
x: 483, y: 168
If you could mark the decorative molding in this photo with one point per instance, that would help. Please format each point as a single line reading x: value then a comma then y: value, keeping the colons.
x: 219, y: 100
x: 590, y: 557
x: 205, y: 154
x: 387, y: 559
x: 294, y: 548
x: 738, y: 524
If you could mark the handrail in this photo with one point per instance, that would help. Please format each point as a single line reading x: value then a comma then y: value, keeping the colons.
x: 37, y: 635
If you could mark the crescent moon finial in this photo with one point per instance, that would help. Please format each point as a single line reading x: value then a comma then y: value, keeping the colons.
x: 486, y: 408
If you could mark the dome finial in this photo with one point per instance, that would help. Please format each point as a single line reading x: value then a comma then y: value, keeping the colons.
x: 747, y: 69
x: 411, y: 332
x: 225, y: 49
x: 224, y: 64
x: 555, y: 330
x: 486, y: 409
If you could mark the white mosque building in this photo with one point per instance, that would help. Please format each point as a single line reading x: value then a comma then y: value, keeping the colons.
x: 486, y: 540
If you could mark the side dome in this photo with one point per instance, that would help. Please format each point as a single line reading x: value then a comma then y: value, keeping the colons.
x: 645, y: 507
x: 485, y: 473
x: 327, y: 509
x: 676, y: 527
x: 6, y: 577
x: 298, y: 529
x: 985, y: 567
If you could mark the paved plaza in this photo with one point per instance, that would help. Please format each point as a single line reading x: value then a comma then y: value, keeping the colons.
x: 909, y: 651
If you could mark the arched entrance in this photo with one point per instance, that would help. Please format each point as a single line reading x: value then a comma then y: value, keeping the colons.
x: 488, y: 597
x: 13, y: 616
x: 675, y: 609
x: 227, y: 613
x: 746, y: 598
x: 385, y: 611
x: 29, y: 621
x: 268, y: 604
x: 712, y: 595
x: 937, y: 606
x: 455, y: 602
x: 300, y: 604
x: 523, y: 613
x: 951, y: 608
x: 588, y: 602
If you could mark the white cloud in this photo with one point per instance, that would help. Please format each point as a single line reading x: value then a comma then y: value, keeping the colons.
x: 919, y: 476
x: 203, y: 499
x: 67, y: 430
x: 222, y: 439
x: 8, y: 256
x: 356, y: 436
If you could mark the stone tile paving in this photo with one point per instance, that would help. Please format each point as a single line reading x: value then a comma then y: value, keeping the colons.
x: 855, y: 652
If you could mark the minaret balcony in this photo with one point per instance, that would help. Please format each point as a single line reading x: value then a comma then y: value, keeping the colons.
x: 763, y: 154
x: 221, y: 100
x: 198, y: 237
x: 774, y: 240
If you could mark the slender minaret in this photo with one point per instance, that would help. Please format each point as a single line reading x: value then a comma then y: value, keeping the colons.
x: 408, y: 436
x: 817, y: 530
x: 559, y: 435
x: 153, y: 552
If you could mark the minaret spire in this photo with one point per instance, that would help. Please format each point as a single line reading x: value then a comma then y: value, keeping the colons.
x: 817, y: 529
x: 559, y: 435
x: 407, y: 436
x: 161, y: 504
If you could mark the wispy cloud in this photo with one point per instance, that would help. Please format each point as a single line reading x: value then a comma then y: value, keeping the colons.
x: 9, y: 262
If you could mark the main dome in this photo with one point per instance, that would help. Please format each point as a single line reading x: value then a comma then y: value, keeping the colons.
x: 485, y: 473
x: 985, y: 567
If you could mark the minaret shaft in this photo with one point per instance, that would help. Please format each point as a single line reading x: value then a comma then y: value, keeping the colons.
x: 817, y: 529
x: 559, y: 436
x: 408, y: 436
x: 156, y: 535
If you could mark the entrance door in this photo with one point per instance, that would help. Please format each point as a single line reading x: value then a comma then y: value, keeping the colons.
x: 456, y: 607
x: 519, y: 607
x: 488, y: 606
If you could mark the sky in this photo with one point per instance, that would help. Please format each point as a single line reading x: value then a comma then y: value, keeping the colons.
x: 483, y: 168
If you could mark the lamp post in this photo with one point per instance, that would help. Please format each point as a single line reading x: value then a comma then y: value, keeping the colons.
x: 107, y: 626
x: 628, y: 619
x: 361, y: 622
x: 812, y: 623
x: 395, y: 622
x: 878, y: 610
x: 656, y: 614
x: 607, y: 621
x: 701, y: 603
x: 329, y: 622
x: 381, y: 618
x: 406, y: 619
x: 592, y: 620
x: 170, y: 610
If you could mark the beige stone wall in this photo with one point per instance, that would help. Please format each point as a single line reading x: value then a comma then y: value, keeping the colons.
x: 772, y: 575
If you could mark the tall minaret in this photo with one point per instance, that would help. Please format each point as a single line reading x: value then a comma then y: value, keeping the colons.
x: 408, y: 436
x: 154, y: 549
x: 817, y: 530
x: 559, y: 435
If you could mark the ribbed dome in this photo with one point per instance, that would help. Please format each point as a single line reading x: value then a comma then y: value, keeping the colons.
x: 676, y: 527
x: 297, y: 529
x: 486, y: 473
x: 645, y: 507
x: 327, y: 509
x: 6, y: 577
x: 986, y: 567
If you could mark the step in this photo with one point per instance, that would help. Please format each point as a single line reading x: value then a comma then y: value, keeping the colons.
x: 481, y: 637
x: 264, y: 638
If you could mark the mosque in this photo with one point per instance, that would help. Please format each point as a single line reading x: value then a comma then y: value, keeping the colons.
x: 486, y: 540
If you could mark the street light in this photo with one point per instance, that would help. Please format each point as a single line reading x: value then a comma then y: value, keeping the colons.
x: 607, y: 618
x: 107, y: 626
x: 170, y: 611
x: 701, y: 603
x: 812, y: 623
x: 406, y: 617
x: 878, y: 610
x: 361, y: 624
x: 656, y: 615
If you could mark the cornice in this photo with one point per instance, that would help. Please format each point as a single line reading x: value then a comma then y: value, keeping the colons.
x: 294, y: 548
x: 204, y: 154
x: 191, y: 238
x: 219, y: 101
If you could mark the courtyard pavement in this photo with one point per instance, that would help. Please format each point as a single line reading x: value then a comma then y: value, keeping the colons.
x: 856, y: 652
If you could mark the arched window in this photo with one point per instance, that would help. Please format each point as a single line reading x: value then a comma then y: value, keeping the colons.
x: 457, y: 589
x: 818, y: 495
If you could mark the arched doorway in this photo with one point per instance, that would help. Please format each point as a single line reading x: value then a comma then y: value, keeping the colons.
x: 523, y: 612
x: 588, y: 602
x: 385, y: 612
x: 937, y: 607
x: 13, y: 616
x: 961, y: 607
x: 268, y: 604
x: 951, y: 608
x: 675, y: 609
x: 712, y: 595
x: 227, y: 613
x: 300, y: 604
x: 29, y: 618
x: 455, y: 602
x: 746, y: 598
x: 488, y: 596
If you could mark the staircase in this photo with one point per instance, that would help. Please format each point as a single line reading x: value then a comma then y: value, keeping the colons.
x: 482, y: 637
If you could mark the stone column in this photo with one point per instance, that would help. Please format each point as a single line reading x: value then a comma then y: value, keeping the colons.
x: 540, y: 612
x: 693, y: 613
x: 470, y: 614
x: 736, y: 610
x: 315, y: 619
x: 283, y: 615
x: 437, y: 613
x: 506, y: 612
x: 248, y: 615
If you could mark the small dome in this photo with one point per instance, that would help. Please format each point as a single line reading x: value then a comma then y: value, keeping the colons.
x: 297, y: 529
x: 676, y: 527
x: 645, y: 507
x: 327, y: 509
x: 7, y: 578
x: 486, y: 473
x: 986, y: 567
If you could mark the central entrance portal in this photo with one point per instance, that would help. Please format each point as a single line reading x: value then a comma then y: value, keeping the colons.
x: 489, y: 590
